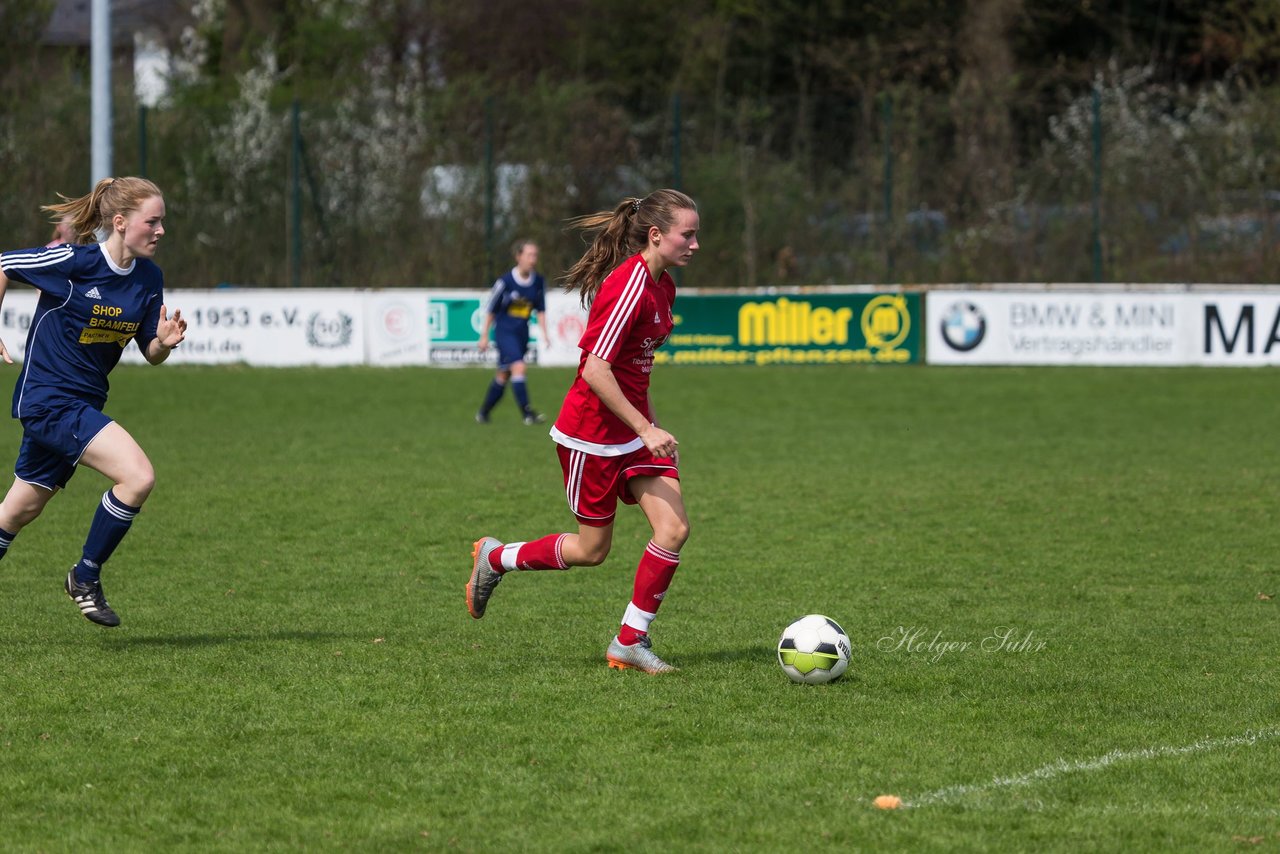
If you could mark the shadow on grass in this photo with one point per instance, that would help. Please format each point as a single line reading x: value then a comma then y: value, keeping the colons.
x: 732, y: 656
x: 128, y: 640
x: 703, y: 657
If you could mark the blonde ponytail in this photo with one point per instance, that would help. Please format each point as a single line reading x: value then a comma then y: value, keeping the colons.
x: 110, y: 196
x: 619, y: 234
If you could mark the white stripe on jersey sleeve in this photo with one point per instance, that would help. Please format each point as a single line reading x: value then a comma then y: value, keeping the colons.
x: 45, y: 258
x: 494, y: 294
x: 622, y: 311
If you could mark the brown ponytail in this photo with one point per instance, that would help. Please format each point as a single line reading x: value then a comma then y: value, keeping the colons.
x: 109, y: 197
x: 619, y: 234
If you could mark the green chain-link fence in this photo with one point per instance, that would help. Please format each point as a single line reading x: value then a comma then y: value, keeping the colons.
x: 1127, y: 183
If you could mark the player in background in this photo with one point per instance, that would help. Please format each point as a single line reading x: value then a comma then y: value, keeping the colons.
x: 64, y: 231
x: 515, y: 296
x: 607, y: 436
x: 94, y: 300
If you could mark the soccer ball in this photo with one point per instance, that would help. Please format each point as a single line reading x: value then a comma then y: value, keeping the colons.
x: 813, y: 650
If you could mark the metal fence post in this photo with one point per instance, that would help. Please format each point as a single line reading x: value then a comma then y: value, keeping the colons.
x: 1097, y: 184
x: 295, y: 195
x: 677, y: 178
x: 100, y: 91
x: 489, y: 191
x: 888, y: 186
x: 142, y: 140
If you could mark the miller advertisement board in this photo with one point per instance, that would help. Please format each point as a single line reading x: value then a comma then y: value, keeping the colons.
x: 794, y: 329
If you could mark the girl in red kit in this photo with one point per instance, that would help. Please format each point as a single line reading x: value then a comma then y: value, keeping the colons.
x: 607, y: 435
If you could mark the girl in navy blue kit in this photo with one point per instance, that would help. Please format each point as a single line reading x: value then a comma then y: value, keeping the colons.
x: 516, y: 295
x: 94, y: 299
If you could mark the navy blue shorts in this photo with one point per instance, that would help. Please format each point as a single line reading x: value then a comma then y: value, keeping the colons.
x: 512, y: 347
x: 53, y: 439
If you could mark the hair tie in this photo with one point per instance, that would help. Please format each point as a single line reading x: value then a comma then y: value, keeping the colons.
x: 635, y: 206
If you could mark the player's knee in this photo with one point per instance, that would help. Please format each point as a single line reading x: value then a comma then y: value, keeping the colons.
x: 137, y: 484
x: 594, y: 555
x: 672, y: 534
x: 23, y: 513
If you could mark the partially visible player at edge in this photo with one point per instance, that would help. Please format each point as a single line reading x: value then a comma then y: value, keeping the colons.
x: 94, y: 299
x: 607, y: 436
x: 516, y: 295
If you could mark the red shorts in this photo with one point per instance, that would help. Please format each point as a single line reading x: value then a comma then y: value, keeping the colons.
x: 594, y: 484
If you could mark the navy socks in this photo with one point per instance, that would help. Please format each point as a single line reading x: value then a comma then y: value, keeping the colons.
x: 521, y: 392
x: 492, y: 396
x: 110, y: 523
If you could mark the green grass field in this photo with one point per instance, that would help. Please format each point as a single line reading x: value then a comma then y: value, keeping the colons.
x: 297, y: 669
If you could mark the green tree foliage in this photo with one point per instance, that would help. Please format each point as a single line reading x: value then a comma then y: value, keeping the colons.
x: 827, y: 141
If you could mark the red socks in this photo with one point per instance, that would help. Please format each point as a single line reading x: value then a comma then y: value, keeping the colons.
x: 543, y: 553
x: 653, y: 577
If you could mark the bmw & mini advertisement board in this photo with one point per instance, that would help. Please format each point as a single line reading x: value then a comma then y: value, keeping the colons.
x: 997, y: 328
x: 1147, y: 327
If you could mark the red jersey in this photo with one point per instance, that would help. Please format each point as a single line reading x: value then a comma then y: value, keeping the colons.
x: 629, y: 318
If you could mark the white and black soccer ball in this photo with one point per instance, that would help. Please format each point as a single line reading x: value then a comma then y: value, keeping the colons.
x: 813, y: 650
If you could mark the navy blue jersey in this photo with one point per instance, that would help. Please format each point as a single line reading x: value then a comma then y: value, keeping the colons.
x: 512, y: 301
x: 88, y: 312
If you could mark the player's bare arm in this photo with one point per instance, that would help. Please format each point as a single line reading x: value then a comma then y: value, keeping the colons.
x: 170, y: 332
x: 599, y: 375
x: 657, y: 422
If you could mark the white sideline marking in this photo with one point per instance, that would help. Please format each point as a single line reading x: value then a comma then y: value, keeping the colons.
x: 1097, y: 763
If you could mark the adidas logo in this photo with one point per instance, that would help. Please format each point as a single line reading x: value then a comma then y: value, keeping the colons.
x: 657, y: 318
x: 92, y: 293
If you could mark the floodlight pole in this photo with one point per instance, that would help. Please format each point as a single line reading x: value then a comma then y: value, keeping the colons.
x: 100, y: 65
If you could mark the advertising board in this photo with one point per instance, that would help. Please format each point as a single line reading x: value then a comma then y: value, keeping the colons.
x: 793, y: 329
x: 1236, y: 329
x: 257, y: 327
x: 1057, y: 328
x: 283, y: 327
x: 396, y: 327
